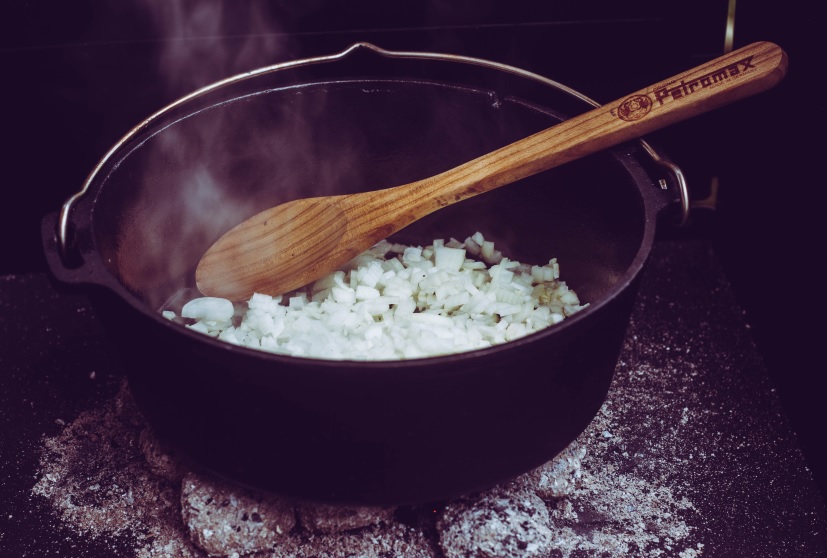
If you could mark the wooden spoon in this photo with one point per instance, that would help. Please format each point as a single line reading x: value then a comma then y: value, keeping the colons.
x: 290, y: 245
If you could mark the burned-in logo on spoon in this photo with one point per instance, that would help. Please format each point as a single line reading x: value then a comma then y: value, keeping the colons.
x: 634, y: 108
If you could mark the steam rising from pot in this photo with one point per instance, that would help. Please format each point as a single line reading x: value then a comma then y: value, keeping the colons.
x: 219, y: 166
x: 204, y: 41
x: 219, y: 159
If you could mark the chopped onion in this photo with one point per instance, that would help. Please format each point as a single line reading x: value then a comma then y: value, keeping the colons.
x: 397, y: 302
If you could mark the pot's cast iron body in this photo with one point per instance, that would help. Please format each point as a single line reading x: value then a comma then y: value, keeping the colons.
x: 360, y: 432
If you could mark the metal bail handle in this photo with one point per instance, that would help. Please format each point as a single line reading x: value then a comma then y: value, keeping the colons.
x: 665, y: 164
x: 64, y: 242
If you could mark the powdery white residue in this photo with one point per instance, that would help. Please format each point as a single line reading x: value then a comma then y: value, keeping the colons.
x: 98, y: 483
x: 595, y: 499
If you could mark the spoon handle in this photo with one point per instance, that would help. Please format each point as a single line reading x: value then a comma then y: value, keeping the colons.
x: 292, y: 244
x: 741, y: 73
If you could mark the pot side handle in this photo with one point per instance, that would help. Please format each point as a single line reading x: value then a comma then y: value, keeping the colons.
x: 69, y: 268
x: 676, y: 180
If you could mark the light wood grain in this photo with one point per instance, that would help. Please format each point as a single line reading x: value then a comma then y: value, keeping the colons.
x: 288, y: 246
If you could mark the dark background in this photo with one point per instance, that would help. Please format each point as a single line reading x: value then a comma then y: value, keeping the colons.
x: 78, y: 75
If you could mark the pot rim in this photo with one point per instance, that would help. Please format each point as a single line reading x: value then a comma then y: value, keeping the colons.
x: 66, y: 208
x: 63, y: 241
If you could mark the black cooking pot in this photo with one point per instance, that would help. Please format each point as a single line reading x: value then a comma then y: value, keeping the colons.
x: 345, y: 431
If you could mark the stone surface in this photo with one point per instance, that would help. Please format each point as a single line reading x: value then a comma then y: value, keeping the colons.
x: 162, y: 458
x: 323, y: 518
x: 225, y: 520
x: 390, y: 539
x: 560, y: 476
x: 508, y: 520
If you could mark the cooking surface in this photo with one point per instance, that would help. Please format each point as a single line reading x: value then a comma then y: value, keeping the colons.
x: 691, y: 413
x: 692, y: 410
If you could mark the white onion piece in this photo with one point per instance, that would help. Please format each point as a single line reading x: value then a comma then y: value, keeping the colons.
x: 449, y: 258
x: 208, y: 308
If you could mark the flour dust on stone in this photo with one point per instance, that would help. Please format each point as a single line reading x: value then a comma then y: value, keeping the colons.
x: 107, y: 477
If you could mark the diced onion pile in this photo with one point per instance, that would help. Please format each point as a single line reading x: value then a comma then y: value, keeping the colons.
x: 397, y: 302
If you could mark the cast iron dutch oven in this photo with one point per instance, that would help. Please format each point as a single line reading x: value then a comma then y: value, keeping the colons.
x: 345, y: 431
